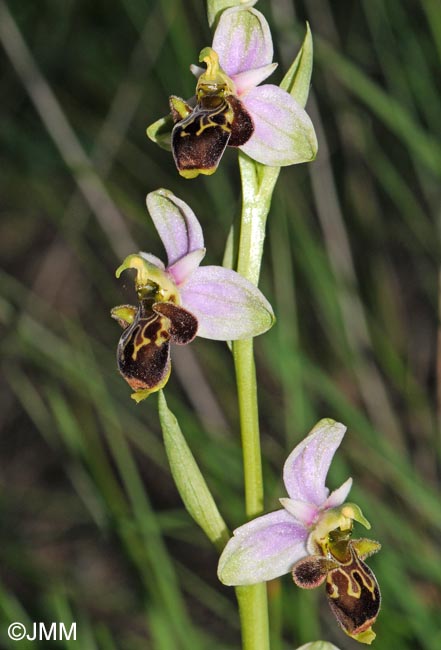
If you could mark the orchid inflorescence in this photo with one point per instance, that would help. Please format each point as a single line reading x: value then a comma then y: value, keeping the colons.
x: 311, y: 535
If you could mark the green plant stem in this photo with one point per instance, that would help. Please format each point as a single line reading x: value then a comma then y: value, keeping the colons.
x: 257, y: 187
x: 253, y: 609
x: 249, y: 426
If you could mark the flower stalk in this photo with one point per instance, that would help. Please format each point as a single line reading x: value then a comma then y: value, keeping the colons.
x: 258, y: 182
x: 257, y: 187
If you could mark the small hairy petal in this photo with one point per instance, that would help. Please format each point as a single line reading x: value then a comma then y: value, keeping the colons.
x: 152, y: 259
x: 196, y: 70
x: 338, y: 496
x: 310, y: 572
x: 283, y: 132
x: 242, y: 127
x: 228, y: 307
x: 307, y: 466
x: 242, y: 40
x: 263, y: 549
x: 245, y: 81
x: 183, y: 268
x: 183, y: 325
x: 304, y: 512
x: 176, y: 223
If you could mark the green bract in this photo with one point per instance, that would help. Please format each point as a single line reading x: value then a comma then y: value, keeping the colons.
x: 189, y: 481
x: 297, y: 81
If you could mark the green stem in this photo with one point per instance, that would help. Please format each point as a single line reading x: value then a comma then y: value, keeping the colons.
x: 258, y: 183
x: 253, y: 608
x: 257, y: 187
x: 249, y: 426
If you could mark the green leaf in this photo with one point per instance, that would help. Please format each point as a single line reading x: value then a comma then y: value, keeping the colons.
x: 188, y: 478
x: 215, y: 8
x: 230, y: 252
x: 298, y: 78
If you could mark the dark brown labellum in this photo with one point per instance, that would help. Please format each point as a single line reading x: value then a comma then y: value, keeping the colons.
x: 200, y: 139
x: 353, y: 593
x: 351, y: 587
x: 143, y: 353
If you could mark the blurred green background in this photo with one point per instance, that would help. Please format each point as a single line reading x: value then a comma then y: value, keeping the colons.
x: 92, y: 529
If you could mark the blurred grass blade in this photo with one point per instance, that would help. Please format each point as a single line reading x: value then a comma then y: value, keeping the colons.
x: 386, y: 107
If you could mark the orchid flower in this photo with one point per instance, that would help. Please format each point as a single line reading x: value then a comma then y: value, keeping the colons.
x: 310, y: 537
x: 232, y: 109
x: 318, y: 645
x: 180, y: 300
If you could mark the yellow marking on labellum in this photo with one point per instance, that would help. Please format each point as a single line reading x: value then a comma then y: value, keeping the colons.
x: 354, y: 588
x: 158, y: 338
x: 193, y: 173
x: 334, y: 593
x: 345, y: 553
x: 206, y: 120
x: 210, y: 123
x: 139, y: 340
